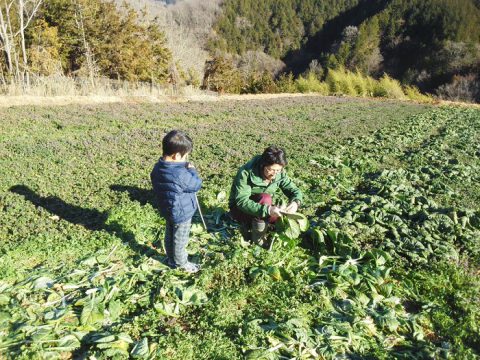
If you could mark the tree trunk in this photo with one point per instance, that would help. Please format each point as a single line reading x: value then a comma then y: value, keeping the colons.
x: 13, y: 51
x: 4, y: 81
x: 88, y: 53
x: 5, y: 39
x: 25, y: 74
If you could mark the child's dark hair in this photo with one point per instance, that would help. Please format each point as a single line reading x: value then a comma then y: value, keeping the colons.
x: 176, y: 141
x: 273, y: 155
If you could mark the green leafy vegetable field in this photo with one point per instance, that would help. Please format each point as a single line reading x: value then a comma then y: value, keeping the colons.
x: 385, y: 264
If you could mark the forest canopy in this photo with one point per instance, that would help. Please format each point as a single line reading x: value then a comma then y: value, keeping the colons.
x: 374, y: 37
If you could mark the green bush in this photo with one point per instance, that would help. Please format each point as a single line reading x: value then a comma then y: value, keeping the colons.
x: 347, y: 84
x: 413, y: 93
x: 340, y: 82
x: 192, y: 78
x: 286, y: 84
x: 344, y: 82
x: 371, y: 85
x: 333, y: 82
x: 311, y: 84
x: 221, y: 75
x: 389, y: 88
x: 260, y: 84
x: 360, y: 83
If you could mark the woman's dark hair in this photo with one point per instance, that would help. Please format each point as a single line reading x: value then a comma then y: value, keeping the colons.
x: 273, y: 155
x: 176, y: 141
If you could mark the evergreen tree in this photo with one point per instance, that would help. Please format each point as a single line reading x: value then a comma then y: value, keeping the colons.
x: 366, y: 53
x: 277, y: 27
x: 222, y: 76
x: 96, y: 37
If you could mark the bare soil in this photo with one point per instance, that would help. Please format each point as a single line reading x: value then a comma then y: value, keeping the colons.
x: 28, y: 100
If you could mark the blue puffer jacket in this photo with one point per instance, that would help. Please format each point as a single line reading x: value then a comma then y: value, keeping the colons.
x: 175, y: 187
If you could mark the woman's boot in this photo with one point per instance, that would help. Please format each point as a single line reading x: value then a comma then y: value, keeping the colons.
x: 259, y: 230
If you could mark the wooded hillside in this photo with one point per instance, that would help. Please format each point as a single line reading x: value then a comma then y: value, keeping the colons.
x: 248, y: 46
x: 371, y: 36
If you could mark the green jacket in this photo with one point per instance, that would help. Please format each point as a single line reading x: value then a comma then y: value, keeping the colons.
x: 249, y: 182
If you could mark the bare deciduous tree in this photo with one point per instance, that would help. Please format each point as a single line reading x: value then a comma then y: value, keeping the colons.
x: 12, y: 36
x: 462, y: 88
x: 6, y: 36
x: 89, y: 59
x: 187, y: 25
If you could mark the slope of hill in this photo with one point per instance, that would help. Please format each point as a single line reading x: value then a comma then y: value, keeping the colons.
x: 302, y: 35
x: 187, y: 25
x: 374, y: 36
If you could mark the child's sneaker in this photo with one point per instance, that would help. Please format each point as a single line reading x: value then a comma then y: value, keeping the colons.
x: 170, y: 264
x: 190, y: 268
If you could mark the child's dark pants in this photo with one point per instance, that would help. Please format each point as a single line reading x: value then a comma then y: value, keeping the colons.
x: 176, y: 240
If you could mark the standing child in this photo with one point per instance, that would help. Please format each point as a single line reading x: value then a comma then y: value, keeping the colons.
x: 175, y: 182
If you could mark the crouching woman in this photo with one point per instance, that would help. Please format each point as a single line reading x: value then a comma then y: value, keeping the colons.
x: 252, y: 197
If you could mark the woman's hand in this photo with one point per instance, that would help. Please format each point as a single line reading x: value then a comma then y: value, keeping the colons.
x: 274, y: 211
x: 292, y: 207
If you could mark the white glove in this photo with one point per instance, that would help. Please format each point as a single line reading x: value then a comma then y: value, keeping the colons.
x: 292, y: 207
x: 274, y: 211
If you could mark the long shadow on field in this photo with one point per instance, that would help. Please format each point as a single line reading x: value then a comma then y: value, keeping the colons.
x: 143, y: 196
x: 216, y: 222
x: 90, y: 219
